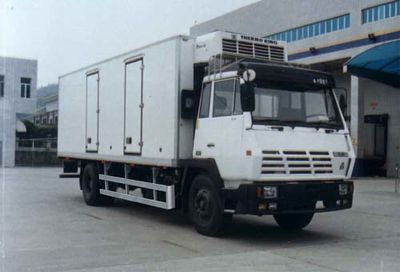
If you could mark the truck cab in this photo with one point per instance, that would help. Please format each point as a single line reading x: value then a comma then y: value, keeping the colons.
x: 278, y: 138
x: 293, y: 129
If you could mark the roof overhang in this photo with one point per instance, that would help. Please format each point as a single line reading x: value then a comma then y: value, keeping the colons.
x: 380, y: 63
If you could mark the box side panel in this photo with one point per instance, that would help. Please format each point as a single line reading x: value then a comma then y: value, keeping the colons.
x: 71, y: 113
x: 186, y: 126
x: 159, y: 112
x: 111, y: 106
x: 160, y: 101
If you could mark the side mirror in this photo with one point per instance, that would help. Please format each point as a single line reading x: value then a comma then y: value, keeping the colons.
x: 187, y: 104
x: 247, y: 96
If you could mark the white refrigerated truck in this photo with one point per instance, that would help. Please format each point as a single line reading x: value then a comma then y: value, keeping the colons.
x: 213, y: 125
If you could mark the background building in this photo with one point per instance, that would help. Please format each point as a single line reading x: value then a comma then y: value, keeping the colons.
x: 325, y: 34
x: 47, y: 114
x: 47, y: 106
x: 17, y: 99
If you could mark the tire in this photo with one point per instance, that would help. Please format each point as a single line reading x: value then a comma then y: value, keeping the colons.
x: 293, y: 222
x: 205, y: 209
x: 91, y: 187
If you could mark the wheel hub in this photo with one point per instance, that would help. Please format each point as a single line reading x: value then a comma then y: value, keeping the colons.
x: 202, y: 204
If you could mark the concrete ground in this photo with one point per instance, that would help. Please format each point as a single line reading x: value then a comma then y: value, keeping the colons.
x: 46, y: 226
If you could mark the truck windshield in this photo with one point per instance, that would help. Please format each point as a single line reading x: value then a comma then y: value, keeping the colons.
x: 296, y: 107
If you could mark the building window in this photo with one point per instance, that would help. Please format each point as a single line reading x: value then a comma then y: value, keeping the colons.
x: 313, y: 30
x: 380, y: 12
x: 25, y: 87
x: 1, y: 85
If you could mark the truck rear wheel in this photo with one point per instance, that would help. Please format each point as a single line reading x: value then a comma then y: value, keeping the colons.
x: 91, y: 187
x: 293, y: 222
x: 205, y: 209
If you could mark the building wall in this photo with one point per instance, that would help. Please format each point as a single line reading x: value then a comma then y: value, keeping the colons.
x: 7, y: 132
x: 12, y: 103
x: 48, y: 115
x: 46, y: 118
x: 381, y: 99
x: 52, y: 106
x: 268, y: 17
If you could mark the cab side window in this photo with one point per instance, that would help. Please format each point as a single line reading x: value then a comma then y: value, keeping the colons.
x: 205, y: 101
x: 223, y: 98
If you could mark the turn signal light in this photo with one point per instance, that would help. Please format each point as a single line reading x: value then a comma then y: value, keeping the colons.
x: 259, y: 192
x: 262, y: 206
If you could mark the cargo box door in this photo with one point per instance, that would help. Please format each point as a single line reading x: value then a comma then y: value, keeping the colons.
x: 92, y: 112
x: 133, y: 107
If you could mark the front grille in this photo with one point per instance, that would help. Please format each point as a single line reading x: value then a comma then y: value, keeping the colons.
x: 255, y: 50
x: 296, y: 162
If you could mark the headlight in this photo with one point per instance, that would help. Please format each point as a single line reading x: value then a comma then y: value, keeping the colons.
x: 343, y: 190
x: 270, y: 192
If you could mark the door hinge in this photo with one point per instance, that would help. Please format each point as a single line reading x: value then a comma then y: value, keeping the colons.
x: 142, y: 67
x: 97, y: 143
x: 141, y: 106
x: 140, y: 144
x: 98, y: 111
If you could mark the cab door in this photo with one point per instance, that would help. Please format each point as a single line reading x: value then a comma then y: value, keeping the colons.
x: 219, y: 125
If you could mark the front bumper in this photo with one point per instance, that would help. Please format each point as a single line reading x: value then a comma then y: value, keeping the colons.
x: 302, y: 197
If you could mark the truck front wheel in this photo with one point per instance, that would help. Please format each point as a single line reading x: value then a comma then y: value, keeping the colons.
x: 205, y: 209
x: 91, y: 187
x: 293, y: 222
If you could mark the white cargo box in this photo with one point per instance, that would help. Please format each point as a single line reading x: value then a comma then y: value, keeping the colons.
x: 127, y: 108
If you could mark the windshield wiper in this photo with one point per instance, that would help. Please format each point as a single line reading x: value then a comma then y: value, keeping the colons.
x: 290, y: 123
x: 326, y: 124
x: 295, y: 123
x: 269, y: 120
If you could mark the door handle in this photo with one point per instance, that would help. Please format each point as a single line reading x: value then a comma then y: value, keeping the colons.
x: 210, y: 145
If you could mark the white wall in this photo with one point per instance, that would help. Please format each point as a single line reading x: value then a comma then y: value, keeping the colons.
x: 12, y: 103
x: 7, y: 132
x: 380, y: 99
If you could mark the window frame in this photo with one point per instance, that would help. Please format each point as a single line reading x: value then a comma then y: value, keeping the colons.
x: 26, y: 87
x: 235, y: 78
x: 380, y: 12
x: 2, y: 79
x: 201, y: 100
x: 314, y: 29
